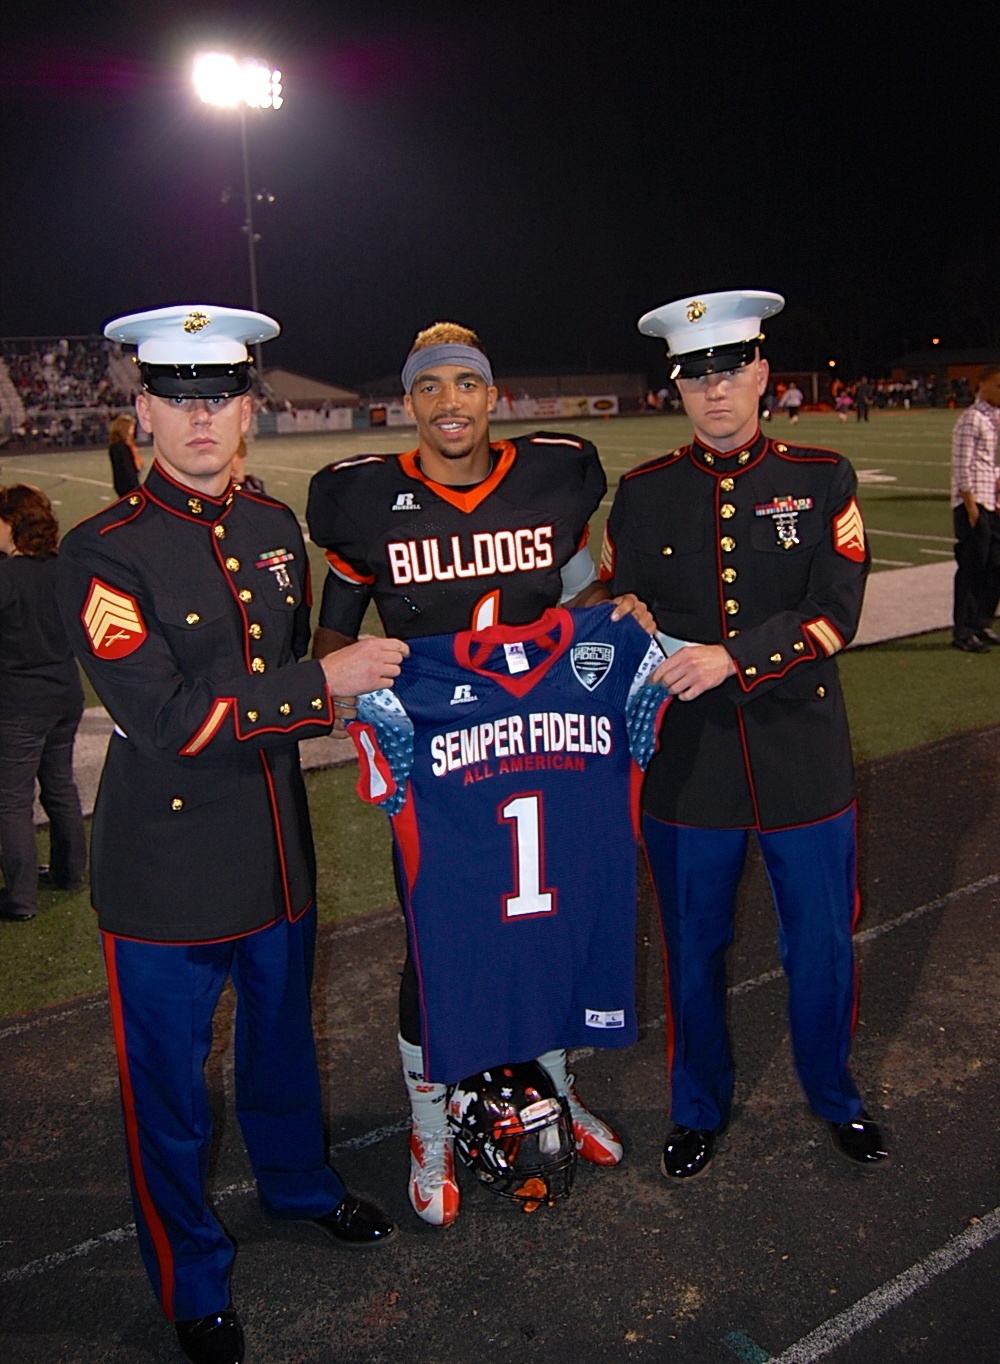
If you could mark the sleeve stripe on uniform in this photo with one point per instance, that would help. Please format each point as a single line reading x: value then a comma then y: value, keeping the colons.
x: 210, y: 727
x: 607, y: 569
x: 344, y: 570
x: 824, y: 635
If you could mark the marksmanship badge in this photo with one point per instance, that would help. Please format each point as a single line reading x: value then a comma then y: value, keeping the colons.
x: 275, y: 560
x: 591, y: 663
x: 785, y: 513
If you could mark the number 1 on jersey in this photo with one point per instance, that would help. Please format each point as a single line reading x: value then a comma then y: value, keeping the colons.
x: 525, y: 815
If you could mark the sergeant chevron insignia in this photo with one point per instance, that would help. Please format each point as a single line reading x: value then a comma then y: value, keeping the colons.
x: 112, y: 620
x: 849, y: 533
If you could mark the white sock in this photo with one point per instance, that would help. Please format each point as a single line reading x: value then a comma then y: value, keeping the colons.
x: 428, y: 1101
x: 554, y: 1064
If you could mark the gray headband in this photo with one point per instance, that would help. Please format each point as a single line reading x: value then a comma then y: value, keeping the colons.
x: 449, y: 353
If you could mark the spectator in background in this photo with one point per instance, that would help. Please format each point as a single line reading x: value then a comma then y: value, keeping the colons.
x: 977, y: 524
x: 41, y: 702
x: 842, y: 403
x: 248, y: 482
x: 126, y: 462
x: 862, y: 399
x: 791, y: 401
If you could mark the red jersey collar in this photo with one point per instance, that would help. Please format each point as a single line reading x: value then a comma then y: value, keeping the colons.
x: 468, y: 499
x: 553, y: 630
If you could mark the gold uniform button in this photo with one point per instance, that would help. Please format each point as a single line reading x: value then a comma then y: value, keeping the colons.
x: 775, y: 658
x: 255, y: 631
x: 192, y: 618
x: 821, y: 692
x: 258, y: 665
x: 133, y: 501
x: 317, y: 703
x: 727, y: 485
x: 177, y: 803
x: 667, y: 550
x: 219, y: 532
x: 727, y: 510
x: 732, y: 606
x: 246, y: 594
x: 194, y: 506
x: 798, y: 646
x: 285, y: 708
x: 751, y: 671
x: 290, y: 600
x: 728, y: 543
x: 253, y: 716
x: 729, y: 575
x: 744, y: 458
x: 709, y: 459
x: 781, y: 449
x: 731, y: 634
x: 233, y: 564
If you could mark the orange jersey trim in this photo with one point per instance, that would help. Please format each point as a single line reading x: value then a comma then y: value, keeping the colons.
x: 471, y: 498
x: 345, y: 570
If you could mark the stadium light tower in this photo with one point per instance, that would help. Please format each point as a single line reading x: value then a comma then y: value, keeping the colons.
x: 222, y: 80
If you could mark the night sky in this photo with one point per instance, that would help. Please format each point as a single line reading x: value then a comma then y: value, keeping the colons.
x: 542, y: 173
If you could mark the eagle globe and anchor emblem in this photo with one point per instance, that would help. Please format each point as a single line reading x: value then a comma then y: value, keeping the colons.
x: 591, y: 663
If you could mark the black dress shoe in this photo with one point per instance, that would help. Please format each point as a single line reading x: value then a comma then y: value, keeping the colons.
x: 988, y: 636
x: 357, y: 1224
x: 970, y: 644
x: 859, y: 1141
x: 215, y: 1339
x: 687, y: 1151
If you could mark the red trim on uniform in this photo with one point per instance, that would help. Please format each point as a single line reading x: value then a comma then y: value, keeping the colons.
x: 308, y: 594
x: 809, y: 823
x: 699, y: 444
x: 407, y: 835
x: 746, y: 764
x: 805, y: 459
x: 325, y: 718
x: 718, y: 565
x: 669, y: 1035
x: 136, y: 511
x: 485, y: 641
x: 635, y: 780
x: 263, y: 499
x: 659, y: 462
x: 489, y: 600
x: 747, y: 684
x: 236, y: 598
x: 606, y: 568
x: 154, y: 1225
x: 365, y: 764
x: 184, y: 516
x: 584, y: 537
x: 343, y: 567
x: 823, y: 624
x: 209, y: 727
x: 195, y: 942
x: 188, y: 491
x: 286, y: 888
x: 469, y: 500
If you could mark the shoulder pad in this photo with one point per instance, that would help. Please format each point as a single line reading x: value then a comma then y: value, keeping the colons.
x: 353, y: 461
x: 660, y: 462
x: 797, y: 452
x: 116, y: 514
x: 555, y: 438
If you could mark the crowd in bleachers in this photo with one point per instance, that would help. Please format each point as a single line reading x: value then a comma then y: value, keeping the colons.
x: 66, y: 388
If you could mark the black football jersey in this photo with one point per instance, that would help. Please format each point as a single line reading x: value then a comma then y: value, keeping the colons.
x: 438, y: 559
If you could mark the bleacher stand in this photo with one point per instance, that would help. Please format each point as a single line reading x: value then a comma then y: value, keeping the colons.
x: 61, y: 392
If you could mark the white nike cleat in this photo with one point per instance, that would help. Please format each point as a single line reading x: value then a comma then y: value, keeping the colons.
x: 595, y: 1140
x: 434, y: 1191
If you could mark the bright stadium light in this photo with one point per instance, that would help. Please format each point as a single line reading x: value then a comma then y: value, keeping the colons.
x: 221, y: 79
x: 832, y: 364
x: 935, y: 340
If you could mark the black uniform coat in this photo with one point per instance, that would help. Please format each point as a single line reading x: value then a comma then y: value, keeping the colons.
x: 188, y: 614
x: 763, y: 551
x: 431, y: 555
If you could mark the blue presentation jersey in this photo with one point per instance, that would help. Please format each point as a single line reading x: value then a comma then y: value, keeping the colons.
x: 510, y: 761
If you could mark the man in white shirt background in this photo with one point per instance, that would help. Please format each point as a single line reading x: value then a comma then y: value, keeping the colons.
x: 977, y: 524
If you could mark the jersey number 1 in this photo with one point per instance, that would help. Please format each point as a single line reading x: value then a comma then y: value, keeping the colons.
x: 525, y: 814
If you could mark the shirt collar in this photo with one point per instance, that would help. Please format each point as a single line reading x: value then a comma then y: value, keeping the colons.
x: 184, y: 501
x: 732, y: 461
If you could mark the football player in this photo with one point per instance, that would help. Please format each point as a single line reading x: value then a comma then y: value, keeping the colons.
x: 461, y: 532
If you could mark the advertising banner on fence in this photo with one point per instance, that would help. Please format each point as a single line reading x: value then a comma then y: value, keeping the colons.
x: 555, y: 409
x: 295, y: 423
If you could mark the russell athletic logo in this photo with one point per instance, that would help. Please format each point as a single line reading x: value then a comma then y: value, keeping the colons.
x: 112, y: 621
x: 464, y: 695
x: 405, y: 502
x: 492, y: 552
x: 591, y: 663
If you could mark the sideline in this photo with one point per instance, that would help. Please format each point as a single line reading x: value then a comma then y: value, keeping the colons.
x: 376, y: 1135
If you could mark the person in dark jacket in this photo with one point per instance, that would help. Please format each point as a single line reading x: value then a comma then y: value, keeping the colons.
x: 753, y: 552
x: 41, y: 702
x: 126, y: 462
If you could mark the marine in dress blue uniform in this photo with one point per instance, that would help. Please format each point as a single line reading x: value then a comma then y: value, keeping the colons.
x: 189, y: 613
x: 754, y: 552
